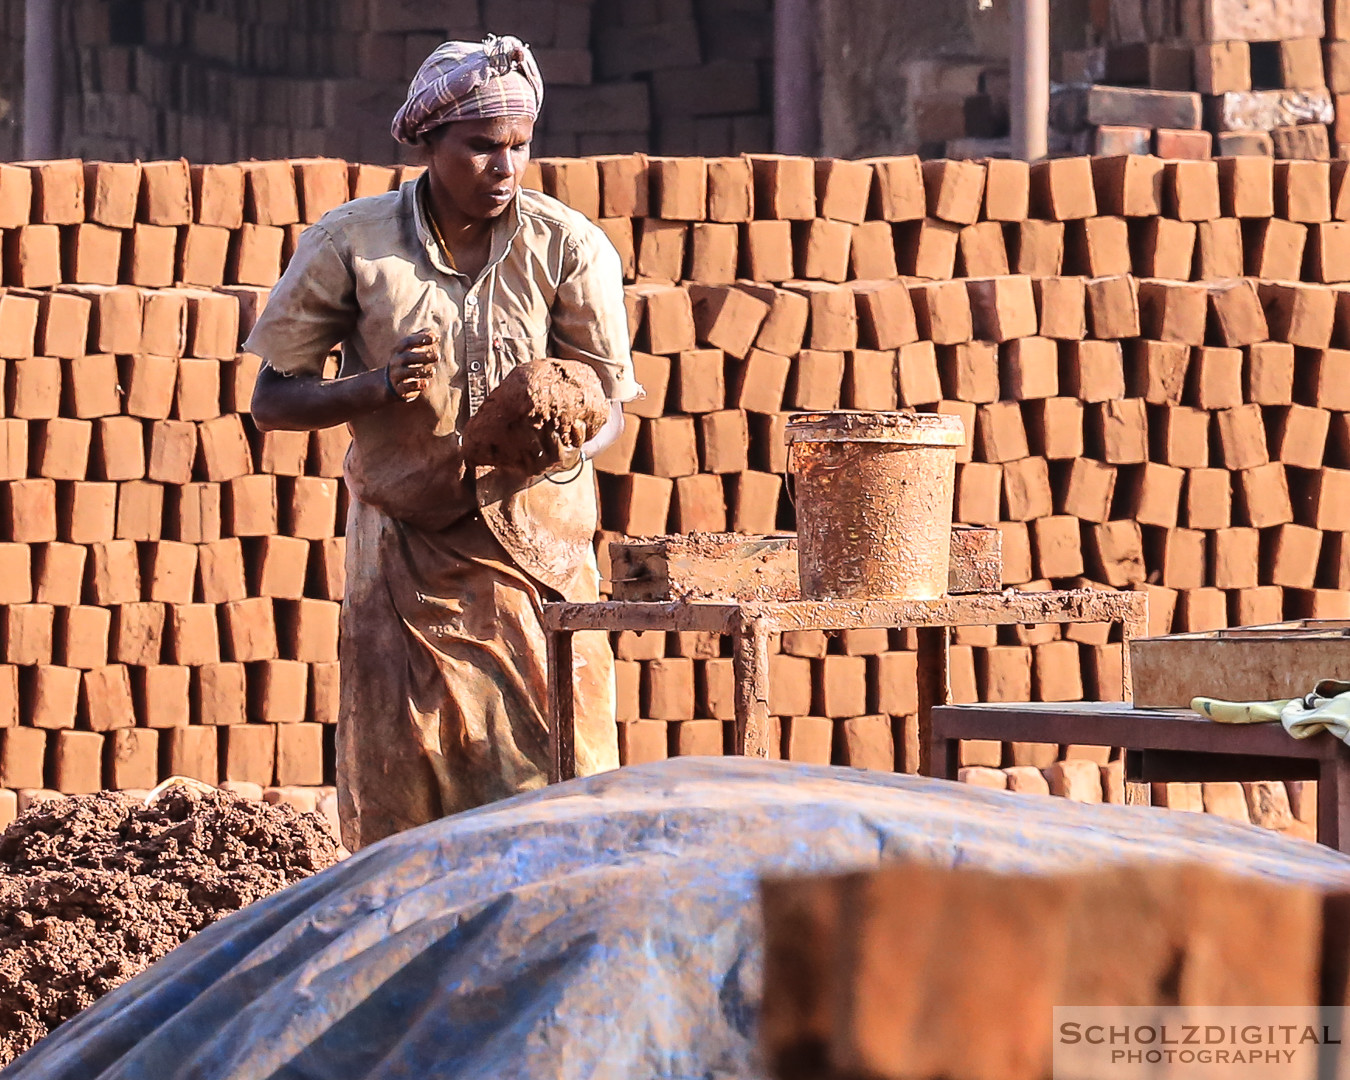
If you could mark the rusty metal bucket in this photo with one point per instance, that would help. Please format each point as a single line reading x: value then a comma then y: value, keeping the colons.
x: 874, y: 502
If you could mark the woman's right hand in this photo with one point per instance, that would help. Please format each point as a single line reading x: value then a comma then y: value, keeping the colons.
x: 410, y: 369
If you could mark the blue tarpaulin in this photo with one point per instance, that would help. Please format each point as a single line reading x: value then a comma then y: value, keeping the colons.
x: 604, y: 928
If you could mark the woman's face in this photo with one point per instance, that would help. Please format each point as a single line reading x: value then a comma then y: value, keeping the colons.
x: 476, y: 165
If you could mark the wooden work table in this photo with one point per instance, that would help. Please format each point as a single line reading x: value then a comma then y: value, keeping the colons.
x: 1162, y: 746
x: 751, y: 623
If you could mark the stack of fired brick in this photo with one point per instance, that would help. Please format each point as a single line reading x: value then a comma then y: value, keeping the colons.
x: 218, y: 80
x: 1244, y: 78
x: 1141, y: 416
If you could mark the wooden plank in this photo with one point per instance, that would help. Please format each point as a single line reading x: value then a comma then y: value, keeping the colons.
x: 1245, y: 664
x: 934, y: 687
x: 751, y: 666
x: 562, y: 722
x: 978, y: 609
x: 1114, y: 723
x: 729, y: 566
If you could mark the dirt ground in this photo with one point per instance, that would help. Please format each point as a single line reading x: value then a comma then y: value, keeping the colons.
x: 94, y: 889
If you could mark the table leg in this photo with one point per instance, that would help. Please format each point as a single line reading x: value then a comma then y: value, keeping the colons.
x: 750, y: 671
x: 1131, y: 627
x: 562, y: 763
x: 944, y: 756
x: 1333, y: 800
x: 934, y: 688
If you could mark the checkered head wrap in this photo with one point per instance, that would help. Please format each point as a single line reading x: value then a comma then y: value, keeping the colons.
x: 462, y: 80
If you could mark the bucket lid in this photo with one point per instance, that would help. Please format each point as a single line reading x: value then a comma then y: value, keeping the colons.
x: 905, y: 428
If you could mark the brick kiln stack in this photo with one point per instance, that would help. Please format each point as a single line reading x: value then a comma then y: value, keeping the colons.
x: 1150, y: 357
x: 277, y: 78
x: 1182, y: 76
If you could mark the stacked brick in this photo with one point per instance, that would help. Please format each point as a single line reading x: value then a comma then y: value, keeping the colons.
x: 1248, y: 79
x: 958, y: 108
x: 171, y: 577
x: 218, y: 81
x: 1142, y: 414
x: 673, y: 76
x: 1145, y: 355
x: 1336, y: 64
x: 163, y: 223
x: 11, y: 76
x: 227, y: 79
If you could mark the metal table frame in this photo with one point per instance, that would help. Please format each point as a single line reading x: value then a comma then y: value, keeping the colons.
x: 1162, y: 746
x: 750, y: 623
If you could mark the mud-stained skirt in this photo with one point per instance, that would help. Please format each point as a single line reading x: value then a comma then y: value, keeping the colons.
x: 445, y: 677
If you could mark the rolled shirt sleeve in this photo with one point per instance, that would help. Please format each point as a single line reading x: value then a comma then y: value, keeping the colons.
x: 312, y: 309
x: 590, y: 322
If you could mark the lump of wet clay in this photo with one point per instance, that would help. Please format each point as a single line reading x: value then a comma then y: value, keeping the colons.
x: 538, y: 396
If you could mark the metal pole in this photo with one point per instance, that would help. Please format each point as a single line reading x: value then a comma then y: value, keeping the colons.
x: 1030, y: 70
x: 41, y: 80
x: 796, y: 85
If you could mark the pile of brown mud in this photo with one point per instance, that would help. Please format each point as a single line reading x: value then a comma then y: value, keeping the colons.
x: 94, y: 889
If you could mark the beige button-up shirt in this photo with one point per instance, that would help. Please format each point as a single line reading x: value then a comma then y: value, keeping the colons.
x: 370, y: 272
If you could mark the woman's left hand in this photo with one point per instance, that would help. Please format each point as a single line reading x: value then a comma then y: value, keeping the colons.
x: 555, y: 451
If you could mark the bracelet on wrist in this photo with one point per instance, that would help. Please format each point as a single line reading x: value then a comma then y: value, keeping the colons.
x: 389, y: 384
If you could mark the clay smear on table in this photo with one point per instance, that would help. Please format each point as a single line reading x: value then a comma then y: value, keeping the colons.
x: 96, y: 888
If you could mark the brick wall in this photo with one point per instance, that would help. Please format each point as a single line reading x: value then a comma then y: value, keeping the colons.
x: 170, y: 573
x: 1248, y: 79
x: 899, y: 76
x: 220, y: 80
x: 1147, y: 356
x: 11, y: 77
